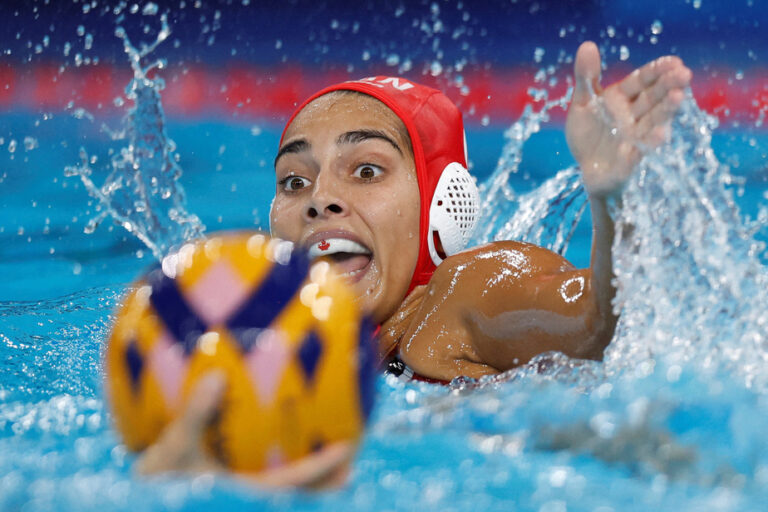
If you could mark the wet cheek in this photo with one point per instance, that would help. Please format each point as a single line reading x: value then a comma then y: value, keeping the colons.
x: 284, y: 221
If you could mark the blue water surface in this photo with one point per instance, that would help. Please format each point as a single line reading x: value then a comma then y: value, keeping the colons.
x: 567, y: 438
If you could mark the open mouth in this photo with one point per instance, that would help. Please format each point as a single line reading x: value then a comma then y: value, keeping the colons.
x: 350, y: 258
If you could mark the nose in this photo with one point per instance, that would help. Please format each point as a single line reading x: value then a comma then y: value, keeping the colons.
x: 325, y: 201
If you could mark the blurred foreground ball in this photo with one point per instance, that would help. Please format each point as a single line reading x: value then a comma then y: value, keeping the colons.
x: 298, y: 357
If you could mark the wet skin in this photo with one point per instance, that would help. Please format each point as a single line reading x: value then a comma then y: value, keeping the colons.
x: 484, y: 311
x: 345, y: 169
x: 490, y: 308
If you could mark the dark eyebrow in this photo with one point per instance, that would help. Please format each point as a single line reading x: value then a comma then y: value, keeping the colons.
x: 358, y: 136
x: 296, y: 146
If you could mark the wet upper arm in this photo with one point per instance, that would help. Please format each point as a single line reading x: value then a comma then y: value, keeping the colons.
x: 513, y: 301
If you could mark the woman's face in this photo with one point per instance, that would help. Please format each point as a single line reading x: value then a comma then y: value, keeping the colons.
x: 347, y: 190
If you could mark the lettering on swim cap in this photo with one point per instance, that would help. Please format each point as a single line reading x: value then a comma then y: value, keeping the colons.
x: 394, y: 82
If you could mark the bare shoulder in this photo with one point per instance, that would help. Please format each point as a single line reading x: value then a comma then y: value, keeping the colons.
x: 499, y: 260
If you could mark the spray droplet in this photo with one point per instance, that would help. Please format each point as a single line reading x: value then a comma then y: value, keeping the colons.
x: 150, y: 9
x: 30, y: 143
x: 656, y: 27
x: 623, y: 53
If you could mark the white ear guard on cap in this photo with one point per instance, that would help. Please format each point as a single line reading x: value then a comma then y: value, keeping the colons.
x: 453, y: 212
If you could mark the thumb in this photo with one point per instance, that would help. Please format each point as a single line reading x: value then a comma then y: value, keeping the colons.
x: 203, y: 402
x: 586, y: 72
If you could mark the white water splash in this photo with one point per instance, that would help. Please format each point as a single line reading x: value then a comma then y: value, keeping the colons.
x: 546, y: 216
x: 142, y: 193
x: 690, y: 283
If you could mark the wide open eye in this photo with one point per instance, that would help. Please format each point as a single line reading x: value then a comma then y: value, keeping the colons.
x: 294, y: 183
x: 367, y: 171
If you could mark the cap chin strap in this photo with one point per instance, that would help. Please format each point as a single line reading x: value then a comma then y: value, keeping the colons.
x: 454, y: 211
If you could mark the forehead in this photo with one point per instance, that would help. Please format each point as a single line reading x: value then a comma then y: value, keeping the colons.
x: 338, y: 112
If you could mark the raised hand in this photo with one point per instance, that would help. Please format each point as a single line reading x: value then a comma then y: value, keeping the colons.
x: 608, y: 130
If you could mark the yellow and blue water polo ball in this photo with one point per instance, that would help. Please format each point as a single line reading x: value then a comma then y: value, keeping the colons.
x: 298, y: 357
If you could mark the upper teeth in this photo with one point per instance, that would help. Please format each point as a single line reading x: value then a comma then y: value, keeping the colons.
x: 336, y: 245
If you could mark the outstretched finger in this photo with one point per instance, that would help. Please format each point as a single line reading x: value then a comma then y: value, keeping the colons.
x: 586, y: 72
x: 659, y: 115
x: 326, y: 468
x: 657, y: 135
x: 676, y: 78
x: 203, y: 403
x: 645, y: 76
x: 180, y: 445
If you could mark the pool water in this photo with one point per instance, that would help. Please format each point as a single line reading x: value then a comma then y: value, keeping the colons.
x: 674, y: 419
x: 553, y: 436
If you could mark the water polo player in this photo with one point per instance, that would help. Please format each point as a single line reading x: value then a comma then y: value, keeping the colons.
x: 371, y: 174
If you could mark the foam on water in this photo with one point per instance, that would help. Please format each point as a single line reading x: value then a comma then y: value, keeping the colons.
x: 142, y: 192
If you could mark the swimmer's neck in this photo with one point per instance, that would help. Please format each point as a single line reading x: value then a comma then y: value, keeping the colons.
x: 394, y: 328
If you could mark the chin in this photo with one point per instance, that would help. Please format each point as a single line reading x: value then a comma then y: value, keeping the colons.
x: 368, y: 292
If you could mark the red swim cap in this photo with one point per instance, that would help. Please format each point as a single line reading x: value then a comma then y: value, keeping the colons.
x: 436, y: 130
